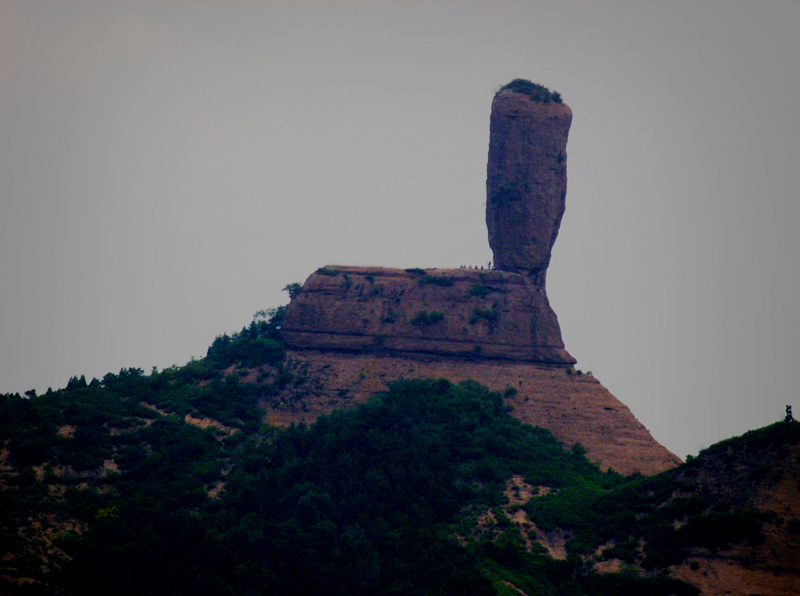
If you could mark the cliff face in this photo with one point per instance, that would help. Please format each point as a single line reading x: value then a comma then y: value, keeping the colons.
x: 447, y: 312
x: 353, y: 330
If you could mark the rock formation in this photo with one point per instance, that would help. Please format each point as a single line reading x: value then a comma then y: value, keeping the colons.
x: 481, y: 314
x: 526, y: 182
x: 353, y: 330
x: 446, y: 312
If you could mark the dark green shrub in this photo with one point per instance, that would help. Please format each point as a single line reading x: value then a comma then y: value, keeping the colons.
x: 490, y: 315
x: 718, y: 531
x: 534, y: 91
x: 425, y: 318
x: 294, y: 290
x: 329, y: 271
x: 437, y: 280
x: 479, y: 291
x: 259, y: 343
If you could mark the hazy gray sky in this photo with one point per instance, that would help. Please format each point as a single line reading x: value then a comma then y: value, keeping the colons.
x: 167, y: 167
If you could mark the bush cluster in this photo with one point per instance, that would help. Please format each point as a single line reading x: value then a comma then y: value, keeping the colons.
x: 490, y: 315
x: 437, y: 280
x: 534, y: 91
x: 424, y: 318
x: 380, y: 499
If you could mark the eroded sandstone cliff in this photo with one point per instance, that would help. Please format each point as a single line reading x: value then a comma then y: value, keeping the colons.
x: 463, y: 313
x: 353, y: 330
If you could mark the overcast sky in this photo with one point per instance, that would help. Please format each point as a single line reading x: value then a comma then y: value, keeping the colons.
x: 167, y: 167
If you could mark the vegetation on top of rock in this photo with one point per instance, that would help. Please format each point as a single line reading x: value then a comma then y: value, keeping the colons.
x: 534, y: 91
x: 425, y: 318
x: 329, y: 271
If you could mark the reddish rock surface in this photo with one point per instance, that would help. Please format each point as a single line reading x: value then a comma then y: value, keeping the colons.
x: 464, y: 313
x: 526, y: 182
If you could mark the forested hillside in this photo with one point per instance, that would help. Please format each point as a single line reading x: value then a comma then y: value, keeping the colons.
x: 169, y: 483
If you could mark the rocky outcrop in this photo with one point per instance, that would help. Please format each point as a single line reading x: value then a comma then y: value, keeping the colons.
x: 460, y: 313
x: 526, y: 182
x: 353, y: 330
x: 502, y: 313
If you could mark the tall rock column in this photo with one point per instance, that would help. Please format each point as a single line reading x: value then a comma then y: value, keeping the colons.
x: 526, y: 181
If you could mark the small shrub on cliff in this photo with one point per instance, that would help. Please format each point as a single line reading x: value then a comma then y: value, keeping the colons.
x: 425, y: 318
x: 490, y: 315
x: 479, y: 291
x: 442, y: 280
x: 329, y: 271
x: 294, y: 289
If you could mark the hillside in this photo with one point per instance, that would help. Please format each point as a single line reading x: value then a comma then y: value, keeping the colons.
x: 170, y: 483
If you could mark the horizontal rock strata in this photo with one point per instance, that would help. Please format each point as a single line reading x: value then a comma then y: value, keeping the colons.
x: 462, y: 313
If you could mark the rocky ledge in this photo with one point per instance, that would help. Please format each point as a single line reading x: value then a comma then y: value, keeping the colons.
x: 459, y: 313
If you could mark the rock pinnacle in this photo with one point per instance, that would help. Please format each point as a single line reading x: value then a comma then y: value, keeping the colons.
x: 526, y: 181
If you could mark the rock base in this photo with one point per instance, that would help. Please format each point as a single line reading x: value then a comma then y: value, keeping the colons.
x: 576, y: 408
